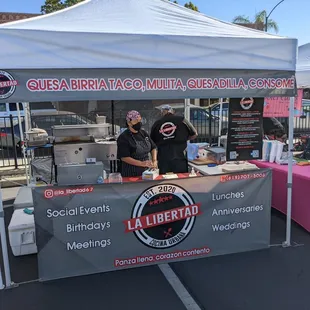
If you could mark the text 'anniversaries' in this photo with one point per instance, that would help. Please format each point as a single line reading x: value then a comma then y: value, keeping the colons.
x: 155, y: 84
x: 237, y: 210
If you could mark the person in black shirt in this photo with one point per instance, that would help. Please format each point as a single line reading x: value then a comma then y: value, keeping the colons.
x: 170, y: 134
x: 134, y: 146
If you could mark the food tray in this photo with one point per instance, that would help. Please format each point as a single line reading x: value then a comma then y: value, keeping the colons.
x: 203, y: 161
x: 238, y: 167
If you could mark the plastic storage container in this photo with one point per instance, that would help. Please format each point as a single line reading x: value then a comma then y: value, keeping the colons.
x: 24, y: 198
x: 102, y: 119
x: 115, y: 178
x: 22, y: 233
x: 217, y: 154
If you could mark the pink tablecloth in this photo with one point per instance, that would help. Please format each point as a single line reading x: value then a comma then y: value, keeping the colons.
x: 301, y: 191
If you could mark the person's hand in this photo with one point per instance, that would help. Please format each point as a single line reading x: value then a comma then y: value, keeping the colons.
x: 155, y: 164
x: 147, y: 164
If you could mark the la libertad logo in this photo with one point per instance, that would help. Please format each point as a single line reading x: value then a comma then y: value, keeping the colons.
x: 7, y: 85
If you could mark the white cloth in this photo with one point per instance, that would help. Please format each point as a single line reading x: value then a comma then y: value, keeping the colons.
x: 139, y: 34
x: 303, y: 67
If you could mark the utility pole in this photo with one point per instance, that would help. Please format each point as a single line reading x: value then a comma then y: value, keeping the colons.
x: 267, y: 16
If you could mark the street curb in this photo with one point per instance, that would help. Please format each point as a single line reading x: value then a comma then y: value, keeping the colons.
x: 13, y: 182
x: 11, y: 172
x: 8, y: 203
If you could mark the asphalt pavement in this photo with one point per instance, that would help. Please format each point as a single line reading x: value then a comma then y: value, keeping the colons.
x: 276, y: 278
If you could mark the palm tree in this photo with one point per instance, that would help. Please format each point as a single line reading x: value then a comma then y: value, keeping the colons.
x: 259, y: 18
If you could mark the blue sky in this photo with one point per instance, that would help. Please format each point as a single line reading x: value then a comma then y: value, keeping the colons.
x: 292, y: 16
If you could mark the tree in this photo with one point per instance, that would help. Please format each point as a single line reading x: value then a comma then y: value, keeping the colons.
x: 51, y: 6
x: 259, y: 18
x: 192, y: 6
x: 189, y: 5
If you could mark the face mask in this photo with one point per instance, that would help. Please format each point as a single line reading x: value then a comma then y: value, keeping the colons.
x: 137, y: 126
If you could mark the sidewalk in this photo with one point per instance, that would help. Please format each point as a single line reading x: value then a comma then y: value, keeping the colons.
x: 11, y: 177
x: 9, y: 195
x: 10, y: 162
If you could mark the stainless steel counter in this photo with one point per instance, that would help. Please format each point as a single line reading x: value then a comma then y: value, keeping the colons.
x: 76, y: 143
x: 78, y: 152
x: 95, y: 130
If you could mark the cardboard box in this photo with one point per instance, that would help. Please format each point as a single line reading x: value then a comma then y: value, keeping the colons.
x: 150, y: 174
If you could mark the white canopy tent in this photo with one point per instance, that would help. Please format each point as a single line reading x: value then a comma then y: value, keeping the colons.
x: 139, y: 34
x: 303, y: 66
x: 138, y: 39
x: 302, y: 81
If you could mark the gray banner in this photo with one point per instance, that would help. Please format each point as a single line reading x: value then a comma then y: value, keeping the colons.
x: 118, y: 84
x: 85, y: 230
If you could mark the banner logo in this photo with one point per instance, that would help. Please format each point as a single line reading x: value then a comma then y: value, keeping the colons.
x: 168, y: 129
x: 246, y: 103
x: 163, y: 216
x: 51, y: 193
x: 7, y: 85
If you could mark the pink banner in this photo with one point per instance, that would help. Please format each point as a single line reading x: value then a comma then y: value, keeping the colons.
x: 279, y: 106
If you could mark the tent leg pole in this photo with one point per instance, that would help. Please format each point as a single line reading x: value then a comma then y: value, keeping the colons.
x: 22, y: 136
x: 1, y: 281
x: 220, y: 123
x: 4, y: 245
x: 187, y: 109
x: 112, y: 117
x: 27, y: 120
x: 27, y: 116
x: 20, y: 122
x: 287, y: 242
x: 2, y: 286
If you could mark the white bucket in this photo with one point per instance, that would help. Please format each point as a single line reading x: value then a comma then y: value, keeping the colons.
x: 101, y: 119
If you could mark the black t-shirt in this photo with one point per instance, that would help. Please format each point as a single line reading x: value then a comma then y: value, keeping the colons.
x: 126, y: 144
x: 171, y: 133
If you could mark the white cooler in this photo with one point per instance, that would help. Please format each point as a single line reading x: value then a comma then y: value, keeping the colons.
x: 23, y: 198
x: 22, y: 233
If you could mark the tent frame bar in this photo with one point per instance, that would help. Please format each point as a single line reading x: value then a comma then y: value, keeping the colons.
x: 287, y: 242
x: 6, y: 263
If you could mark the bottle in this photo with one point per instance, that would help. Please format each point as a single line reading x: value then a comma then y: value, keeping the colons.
x: 193, y: 173
x: 104, y: 174
x: 100, y: 180
x: 32, y: 182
